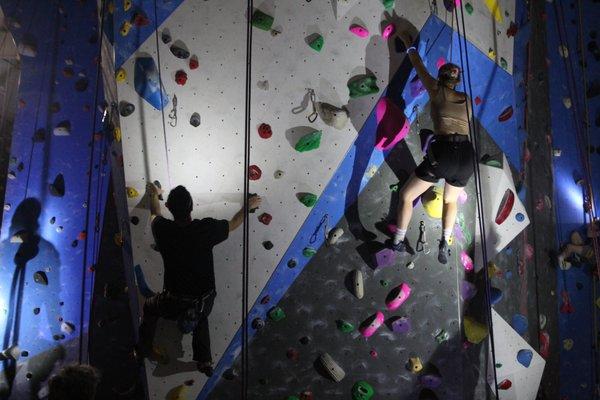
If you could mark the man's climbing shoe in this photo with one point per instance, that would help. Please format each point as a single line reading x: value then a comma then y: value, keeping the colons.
x: 443, y: 252
x: 404, y: 247
x: 205, y: 368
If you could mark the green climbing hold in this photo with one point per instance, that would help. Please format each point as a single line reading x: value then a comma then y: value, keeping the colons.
x: 309, y: 252
x: 362, y: 390
x: 262, y: 20
x: 493, y: 163
x: 309, y: 142
x: 498, y: 365
x: 469, y: 8
x: 363, y: 87
x: 394, y: 187
x: 276, y: 314
x: 388, y: 4
x: 308, y: 199
x: 317, y: 43
x: 344, y: 326
x: 384, y: 282
x: 503, y: 63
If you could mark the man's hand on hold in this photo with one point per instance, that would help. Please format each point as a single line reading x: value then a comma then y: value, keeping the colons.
x: 254, y: 202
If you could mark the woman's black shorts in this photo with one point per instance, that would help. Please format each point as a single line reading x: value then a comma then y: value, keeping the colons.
x: 448, y: 157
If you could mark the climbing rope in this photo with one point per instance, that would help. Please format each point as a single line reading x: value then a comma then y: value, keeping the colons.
x: 89, y: 184
x: 160, y: 90
x: 474, y: 133
x: 246, y: 232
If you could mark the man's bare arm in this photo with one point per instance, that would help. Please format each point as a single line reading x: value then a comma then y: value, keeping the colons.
x: 238, y: 218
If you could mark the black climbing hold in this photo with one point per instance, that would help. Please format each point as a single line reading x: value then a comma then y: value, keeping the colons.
x: 36, y: 310
x: 304, y: 340
x: 40, y: 277
x: 74, y: 243
x: 135, y: 220
x: 82, y: 84
x: 267, y: 245
x: 29, y: 375
x: 24, y: 353
x: 39, y: 135
x: 258, y: 323
x: 195, y: 120
x: 166, y: 36
x: 57, y: 188
x: 292, y: 263
x: 126, y: 109
x: 263, y: 381
x: 179, y: 50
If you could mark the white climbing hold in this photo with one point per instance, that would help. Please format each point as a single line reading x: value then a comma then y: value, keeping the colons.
x: 563, y: 51
x: 334, y: 235
x: 333, y: 369
x: 567, y: 102
x: 61, y: 131
x: 371, y: 171
x: 358, y: 287
x: 332, y: 115
x: 67, y: 327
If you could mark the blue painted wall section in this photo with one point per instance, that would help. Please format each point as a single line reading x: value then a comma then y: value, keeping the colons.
x: 577, y: 366
x: 57, y: 88
x: 490, y: 83
x: 155, y: 13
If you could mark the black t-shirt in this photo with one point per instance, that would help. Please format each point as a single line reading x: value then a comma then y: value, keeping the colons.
x: 187, y: 253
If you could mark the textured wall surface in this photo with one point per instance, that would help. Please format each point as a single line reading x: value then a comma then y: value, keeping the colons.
x: 58, y: 45
x: 208, y: 159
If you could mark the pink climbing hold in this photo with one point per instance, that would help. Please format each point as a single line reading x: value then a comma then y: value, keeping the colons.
x: 388, y: 31
x: 373, y: 353
x: 397, y: 297
x: 466, y: 261
x: 392, y: 228
x: 392, y: 124
x: 359, y: 31
x: 463, y: 197
x: 478, y: 100
x: 441, y: 61
x: 370, y: 326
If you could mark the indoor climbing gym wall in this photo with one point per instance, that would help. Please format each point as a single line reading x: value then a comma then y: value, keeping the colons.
x: 573, y: 57
x: 336, y: 111
x: 54, y: 195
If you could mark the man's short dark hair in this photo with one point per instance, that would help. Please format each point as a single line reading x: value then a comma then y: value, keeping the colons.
x: 74, y: 382
x: 180, y: 202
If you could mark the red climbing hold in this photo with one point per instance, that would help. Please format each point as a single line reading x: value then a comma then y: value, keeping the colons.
x: 140, y: 19
x: 265, y: 300
x: 180, y: 77
x: 82, y: 235
x: 254, y: 173
x: 544, y: 344
x: 293, y: 354
x: 506, y: 114
x: 506, y: 206
x: 194, y: 62
x: 307, y: 395
x: 512, y: 30
x: 505, y: 385
x: 265, y: 218
x: 264, y: 131
x: 566, y: 306
x: 478, y: 100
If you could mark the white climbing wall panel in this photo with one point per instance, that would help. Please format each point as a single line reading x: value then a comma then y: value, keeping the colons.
x: 208, y: 159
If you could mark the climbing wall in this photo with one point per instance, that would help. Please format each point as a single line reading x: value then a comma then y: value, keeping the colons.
x: 577, y: 287
x: 208, y: 158
x: 56, y: 184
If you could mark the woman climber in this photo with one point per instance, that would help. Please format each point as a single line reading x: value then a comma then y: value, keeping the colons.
x: 449, y: 155
x: 579, y: 250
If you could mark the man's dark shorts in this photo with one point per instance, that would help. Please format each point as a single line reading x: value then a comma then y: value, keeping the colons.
x: 448, y: 157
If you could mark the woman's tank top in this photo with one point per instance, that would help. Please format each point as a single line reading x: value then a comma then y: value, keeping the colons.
x: 449, y: 116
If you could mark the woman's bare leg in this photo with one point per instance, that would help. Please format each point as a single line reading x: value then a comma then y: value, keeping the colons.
x: 411, y: 190
x: 449, y: 212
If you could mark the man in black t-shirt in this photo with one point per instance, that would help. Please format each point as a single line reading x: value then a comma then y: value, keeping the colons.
x: 185, y: 245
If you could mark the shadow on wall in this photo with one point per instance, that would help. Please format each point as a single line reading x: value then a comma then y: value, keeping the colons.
x: 31, y: 265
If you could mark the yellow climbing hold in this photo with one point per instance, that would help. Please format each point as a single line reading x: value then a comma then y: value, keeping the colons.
x: 568, y: 344
x: 125, y: 28
x: 127, y: 4
x: 474, y: 331
x: 131, y: 192
x: 493, y: 269
x: 494, y: 8
x: 121, y: 75
x: 415, y: 365
x: 178, y: 393
x: 491, y: 53
x: 117, y: 134
x: 118, y: 239
x: 433, y: 202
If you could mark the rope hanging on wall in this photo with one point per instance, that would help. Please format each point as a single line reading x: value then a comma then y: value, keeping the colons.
x: 474, y: 135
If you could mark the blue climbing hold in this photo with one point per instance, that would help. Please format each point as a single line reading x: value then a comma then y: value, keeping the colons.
x: 147, y: 83
x: 519, y: 323
x: 141, y: 282
x: 524, y: 357
x: 520, y: 217
x: 495, y: 295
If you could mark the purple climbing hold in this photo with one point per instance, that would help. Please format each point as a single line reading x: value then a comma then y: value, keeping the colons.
x: 430, y: 380
x: 401, y: 325
x: 416, y: 87
x: 384, y: 258
x: 467, y: 290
